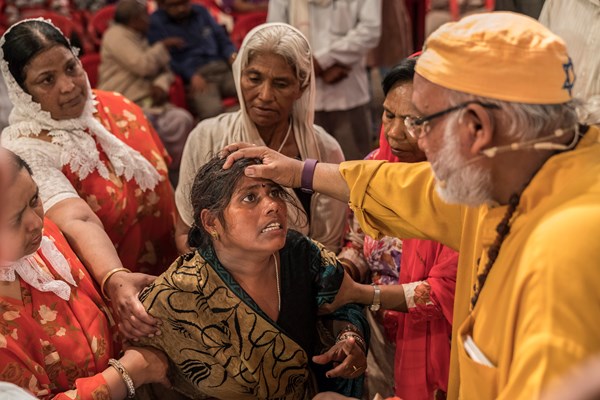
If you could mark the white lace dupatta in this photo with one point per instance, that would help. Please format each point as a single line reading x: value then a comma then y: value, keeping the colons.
x: 74, y: 136
x: 30, y: 271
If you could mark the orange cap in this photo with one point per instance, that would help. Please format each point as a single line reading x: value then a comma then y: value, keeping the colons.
x: 500, y: 55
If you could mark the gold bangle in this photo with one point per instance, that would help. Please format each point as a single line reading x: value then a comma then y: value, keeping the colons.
x: 116, y: 364
x: 107, y: 277
x: 358, y: 339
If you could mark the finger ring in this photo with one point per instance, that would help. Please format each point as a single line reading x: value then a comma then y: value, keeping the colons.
x: 354, y: 368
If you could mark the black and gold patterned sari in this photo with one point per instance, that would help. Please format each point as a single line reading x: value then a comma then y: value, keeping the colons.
x: 222, y: 345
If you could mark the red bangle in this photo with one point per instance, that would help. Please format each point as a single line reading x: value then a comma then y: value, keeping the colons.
x: 308, y: 172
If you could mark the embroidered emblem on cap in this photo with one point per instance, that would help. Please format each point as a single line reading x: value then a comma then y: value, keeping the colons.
x: 570, y: 76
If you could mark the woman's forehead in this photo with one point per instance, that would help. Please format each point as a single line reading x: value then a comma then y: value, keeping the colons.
x: 246, y: 183
x: 269, y: 60
x: 51, y: 58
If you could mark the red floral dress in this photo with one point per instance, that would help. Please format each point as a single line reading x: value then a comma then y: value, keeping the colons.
x: 56, y: 348
x: 141, y: 224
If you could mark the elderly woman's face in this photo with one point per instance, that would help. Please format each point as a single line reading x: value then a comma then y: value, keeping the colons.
x: 269, y: 88
x: 255, y: 218
x: 22, y: 217
x: 396, y: 107
x: 56, y: 80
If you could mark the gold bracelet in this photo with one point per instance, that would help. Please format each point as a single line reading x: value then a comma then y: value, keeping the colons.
x: 107, y: 277
x: 358, y: 339
x: 116, y: 364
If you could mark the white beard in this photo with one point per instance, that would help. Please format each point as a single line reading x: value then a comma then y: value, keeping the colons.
x: 463, y: 182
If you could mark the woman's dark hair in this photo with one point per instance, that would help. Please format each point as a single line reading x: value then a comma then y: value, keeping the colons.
x: 212, y: 190
x: 26, y: 40
x: 17, y: 161
x: 404, y: 72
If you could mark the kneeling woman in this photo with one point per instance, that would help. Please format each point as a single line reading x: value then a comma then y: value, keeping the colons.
x: 56, y: 334
x: 240, y: 312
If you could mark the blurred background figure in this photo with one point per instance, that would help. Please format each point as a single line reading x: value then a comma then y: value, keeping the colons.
x: 531, y: 8
x: 577, y: 22
x: 141, y: 73
x: 204, y: 61
x: 244, y: 6
x: 340, y: 34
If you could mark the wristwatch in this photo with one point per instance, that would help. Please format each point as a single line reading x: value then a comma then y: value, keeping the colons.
x: 376, y: 298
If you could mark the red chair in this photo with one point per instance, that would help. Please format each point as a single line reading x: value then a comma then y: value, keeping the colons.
x: 99, y: 22
x: 244, y: 24
x: 177, y: 94
x: 68, y: 26
x: 91, y: 63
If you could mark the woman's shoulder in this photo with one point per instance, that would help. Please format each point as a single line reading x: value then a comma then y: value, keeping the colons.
x: 330, y: 149
x: 299, y: 244
x: 213, y: 133
x: 34, y: 151
x: 182, y: 275
x: 114, y: 101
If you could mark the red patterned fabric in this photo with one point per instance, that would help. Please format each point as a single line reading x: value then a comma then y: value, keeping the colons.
x: 140, y: 224
x: 422, y: 359
x: 55, y: 348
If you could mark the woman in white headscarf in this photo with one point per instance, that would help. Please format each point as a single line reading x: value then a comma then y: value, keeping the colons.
x: 275, y: 82
x: 100, y: 167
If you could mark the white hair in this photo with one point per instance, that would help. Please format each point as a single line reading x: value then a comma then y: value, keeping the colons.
x: 285, y: 42
x: 527, y: 121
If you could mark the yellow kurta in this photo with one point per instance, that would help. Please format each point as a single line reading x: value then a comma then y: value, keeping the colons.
x: 538, y: 313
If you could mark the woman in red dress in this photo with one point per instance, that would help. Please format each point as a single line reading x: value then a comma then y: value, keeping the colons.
x: 100, y: 167
x: 57, y: 336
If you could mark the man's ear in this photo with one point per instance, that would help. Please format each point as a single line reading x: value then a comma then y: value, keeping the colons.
x: 480, y: 127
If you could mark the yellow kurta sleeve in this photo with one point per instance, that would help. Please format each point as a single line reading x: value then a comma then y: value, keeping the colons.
x: 399, y: 199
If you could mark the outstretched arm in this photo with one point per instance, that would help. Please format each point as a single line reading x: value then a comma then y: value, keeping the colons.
x: 85, y: 233
x: 287, y: 171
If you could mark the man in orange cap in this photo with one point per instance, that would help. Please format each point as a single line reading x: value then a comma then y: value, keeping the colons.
x: 513, y: 184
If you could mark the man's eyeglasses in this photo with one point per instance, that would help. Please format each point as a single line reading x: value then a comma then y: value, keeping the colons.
x: 419, y: 127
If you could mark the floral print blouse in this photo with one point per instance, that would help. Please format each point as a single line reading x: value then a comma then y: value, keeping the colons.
x: 53, y: 348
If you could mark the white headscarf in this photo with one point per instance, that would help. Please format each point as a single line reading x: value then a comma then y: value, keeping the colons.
x: 30, y: 271
x: 74, y: 136
x: 303, y: 110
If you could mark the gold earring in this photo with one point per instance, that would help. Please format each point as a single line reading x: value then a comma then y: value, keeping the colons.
x: 215, y: 235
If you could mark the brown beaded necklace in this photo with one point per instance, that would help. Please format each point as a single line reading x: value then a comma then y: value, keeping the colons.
x: 503, y: 230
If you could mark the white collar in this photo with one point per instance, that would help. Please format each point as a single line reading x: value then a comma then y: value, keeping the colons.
x: 29, y: 270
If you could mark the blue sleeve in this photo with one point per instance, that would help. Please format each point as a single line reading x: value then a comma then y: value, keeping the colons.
x: 156, y: 28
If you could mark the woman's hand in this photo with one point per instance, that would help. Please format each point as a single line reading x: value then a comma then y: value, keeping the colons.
x: 348, y: 358
x: 146, y: 365
x: 275, y: 166
x: 123, y: 290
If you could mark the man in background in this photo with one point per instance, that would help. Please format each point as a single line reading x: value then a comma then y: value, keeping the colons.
x: 204, y: 61
x: 141, y: 73
x: 340, y: 34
